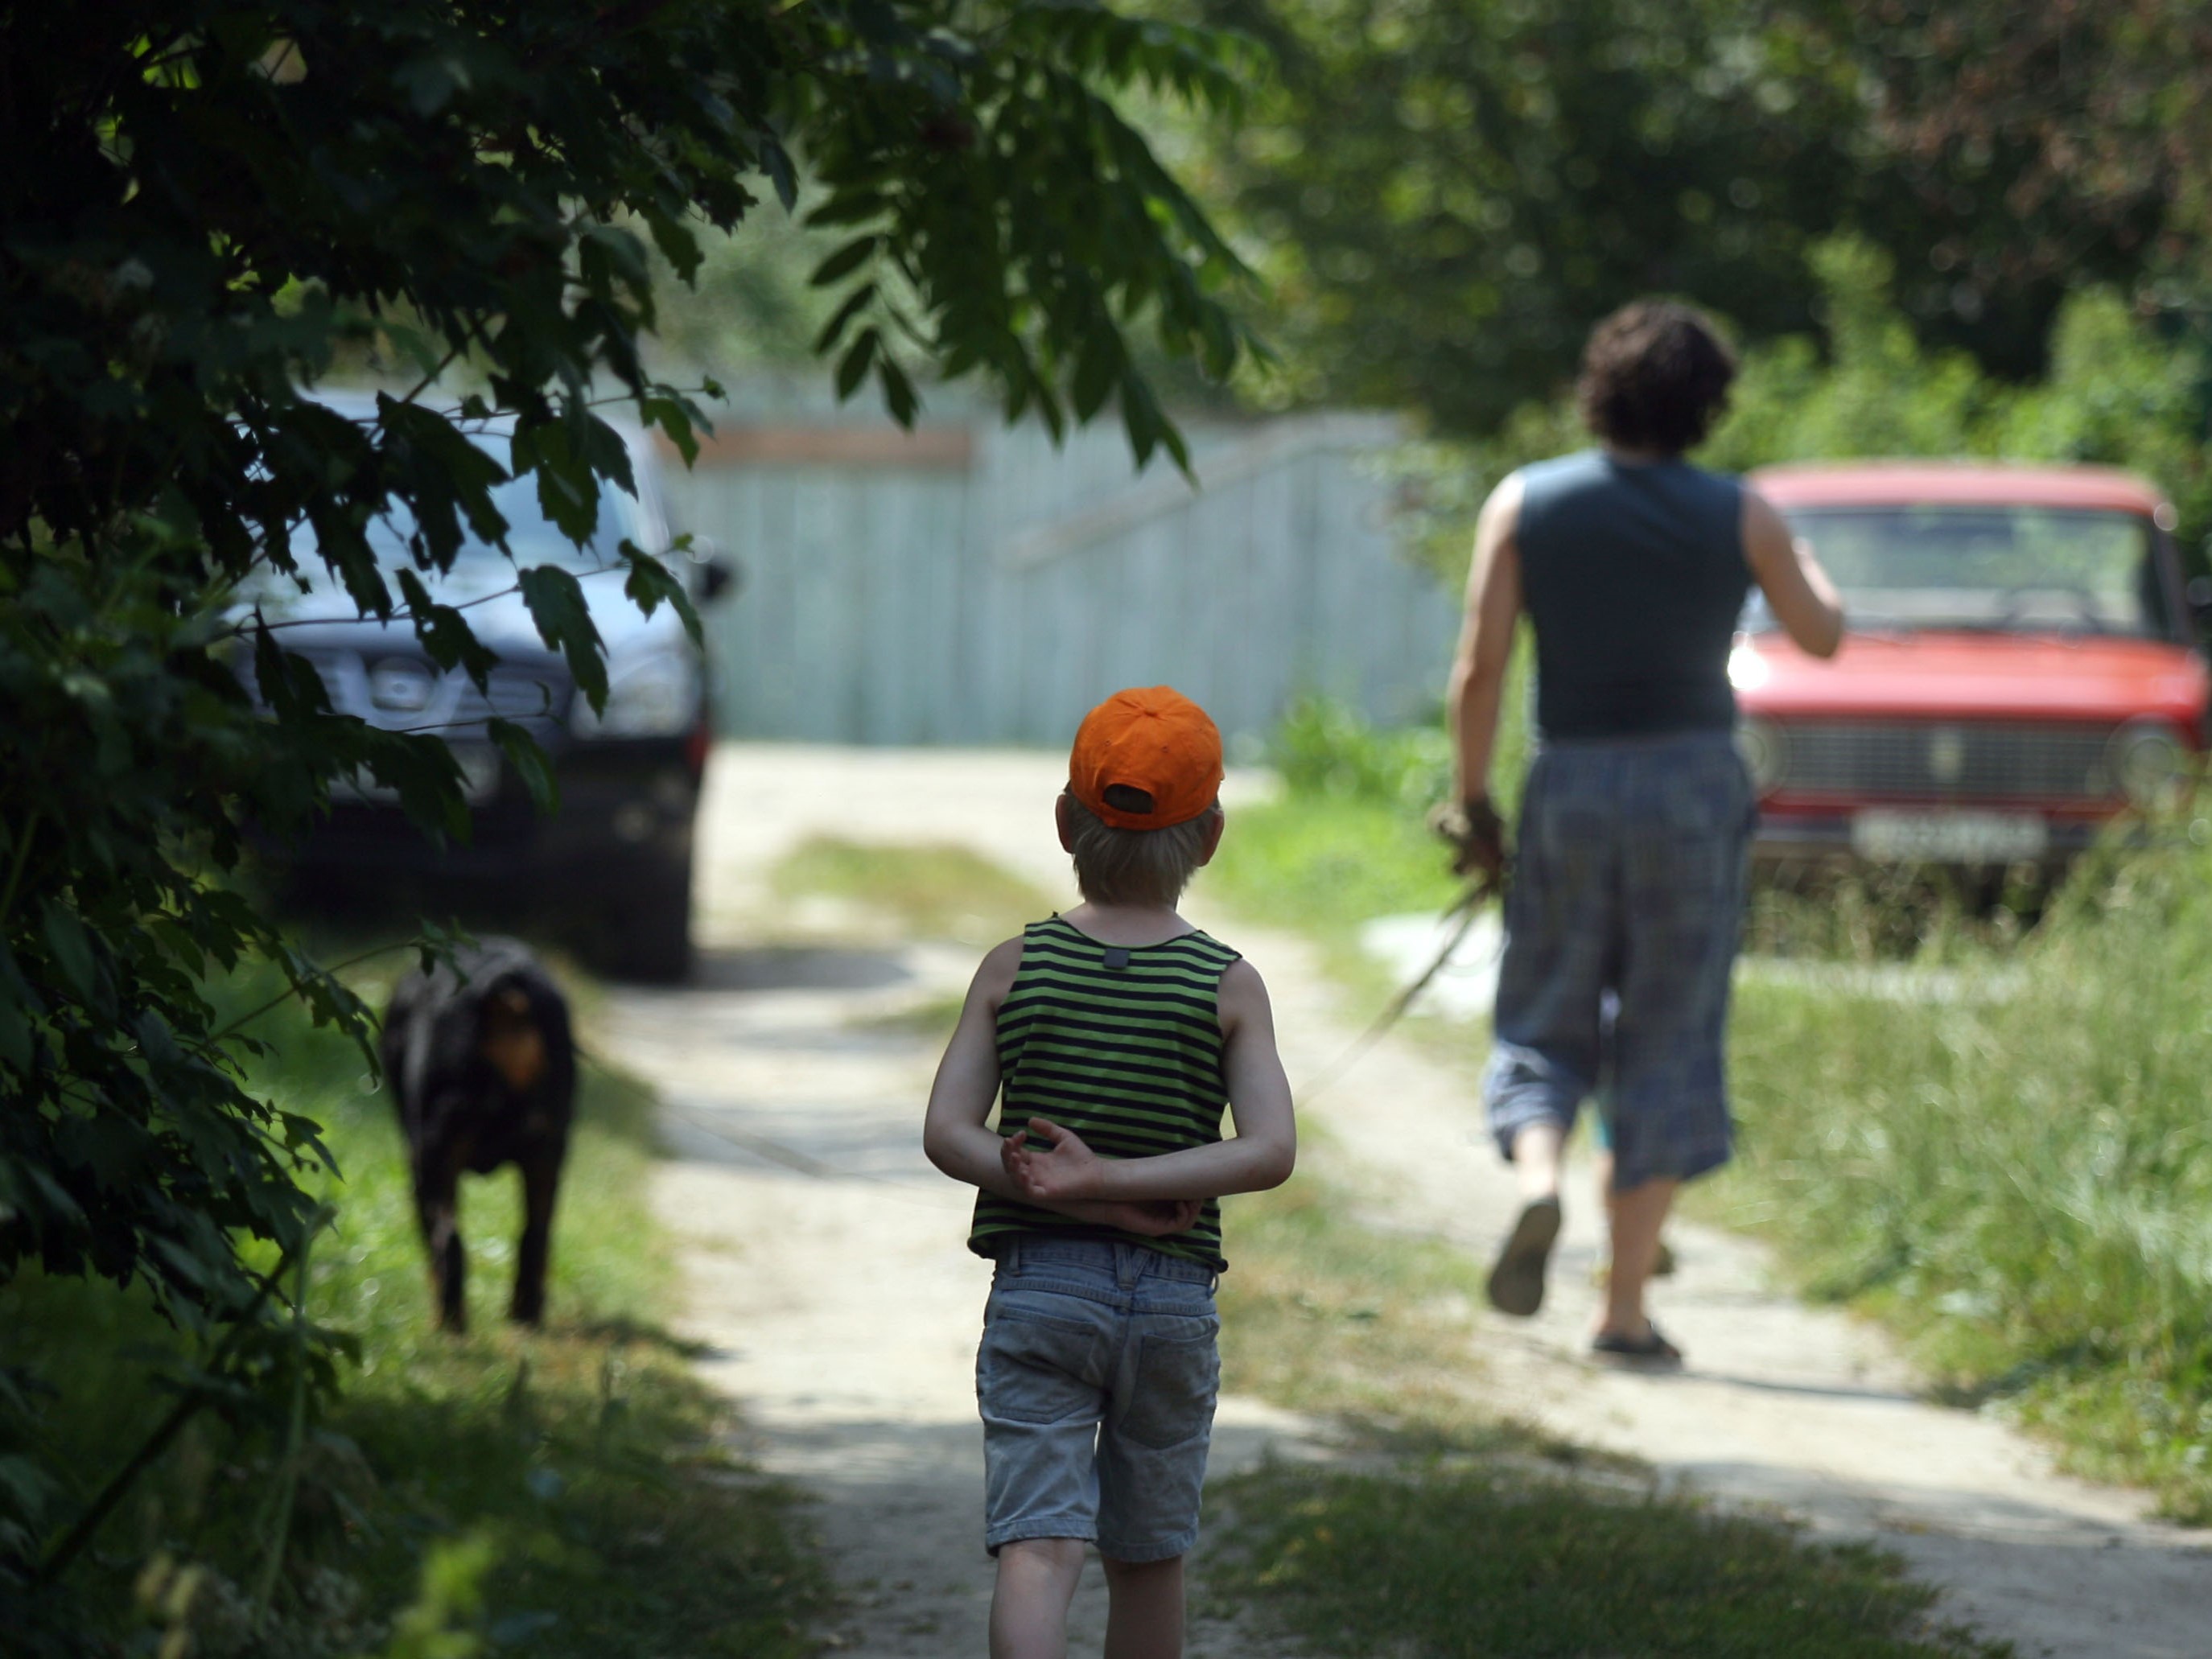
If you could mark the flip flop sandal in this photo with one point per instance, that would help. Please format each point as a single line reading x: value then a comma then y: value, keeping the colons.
x: 1650, y: 1351
x: 1517, y: 1283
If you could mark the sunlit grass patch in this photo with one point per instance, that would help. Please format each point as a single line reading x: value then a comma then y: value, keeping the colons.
x: 1446, y: 1557
x: 918, y: 892
x: 2021, y: 1184
x: 1456, y: 1530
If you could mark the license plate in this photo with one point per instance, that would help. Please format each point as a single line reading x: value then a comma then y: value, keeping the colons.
x: 479, y: 765
x: 1960, y: 837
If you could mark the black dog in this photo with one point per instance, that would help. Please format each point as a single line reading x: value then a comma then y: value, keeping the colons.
x: 483, y: 1070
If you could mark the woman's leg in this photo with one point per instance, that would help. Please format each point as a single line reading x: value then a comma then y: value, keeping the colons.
x: 1682, y: 892
x: 1544, y: 1057
x: 1638, y: 1215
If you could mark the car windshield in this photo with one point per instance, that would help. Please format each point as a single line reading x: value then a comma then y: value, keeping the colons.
x: 1998, y: 570
x: 533, y: 538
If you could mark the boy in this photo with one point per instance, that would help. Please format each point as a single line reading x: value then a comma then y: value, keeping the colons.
x: 1118, y: 1033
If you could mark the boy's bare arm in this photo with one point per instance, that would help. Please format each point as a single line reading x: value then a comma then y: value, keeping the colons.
x: 956, y: 1133
x: 1261, y: 1155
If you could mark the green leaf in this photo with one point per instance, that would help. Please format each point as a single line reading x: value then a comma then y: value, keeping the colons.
x: 529, y: 762
x: 72, y: 945
x: 651, y: 584
x: 846, y: 260
x: 834, y: 330
x: 15, y: 1044
x: 564, y: 623
x: 899, y: 396
x: 853, y: 367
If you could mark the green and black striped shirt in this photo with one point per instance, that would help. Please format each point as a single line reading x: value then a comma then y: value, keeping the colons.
x: 1121, y: 1045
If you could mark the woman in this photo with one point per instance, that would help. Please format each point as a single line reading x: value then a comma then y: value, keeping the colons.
x: 1632, y: 566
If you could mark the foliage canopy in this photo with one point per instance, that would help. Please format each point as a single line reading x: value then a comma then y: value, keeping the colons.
x: 1446, y: 194
x: 211, y: 203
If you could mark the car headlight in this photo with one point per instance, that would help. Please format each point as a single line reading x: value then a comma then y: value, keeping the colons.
x: 1765, y: 748
x: 2148, y: 761
x: 656, y: 696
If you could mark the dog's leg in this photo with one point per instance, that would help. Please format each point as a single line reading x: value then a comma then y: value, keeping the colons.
x: 541, y: 1184
x: 437, y: 1207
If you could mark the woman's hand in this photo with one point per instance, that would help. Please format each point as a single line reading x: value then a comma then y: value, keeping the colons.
x: 1477, y: 837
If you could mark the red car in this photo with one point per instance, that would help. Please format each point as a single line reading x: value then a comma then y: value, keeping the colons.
x: 2022, y: 665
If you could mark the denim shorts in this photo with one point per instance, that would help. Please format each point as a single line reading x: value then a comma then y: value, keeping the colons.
x: 1096, y: 1378
x: 1622, y: 929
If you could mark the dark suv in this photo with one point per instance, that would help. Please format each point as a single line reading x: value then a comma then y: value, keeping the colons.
x: 611, y: 868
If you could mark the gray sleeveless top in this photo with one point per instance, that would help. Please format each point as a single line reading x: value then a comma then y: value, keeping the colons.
x: 1634, y: 577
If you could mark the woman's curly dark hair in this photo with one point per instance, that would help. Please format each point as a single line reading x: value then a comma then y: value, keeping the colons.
x: 1655, y: 375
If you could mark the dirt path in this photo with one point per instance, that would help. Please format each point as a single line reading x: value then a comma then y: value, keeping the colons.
x: 825, y: 1268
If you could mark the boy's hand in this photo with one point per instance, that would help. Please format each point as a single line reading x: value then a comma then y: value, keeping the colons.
x: 1160, y: 1218
x: 1150, y: 1218
x: 1065, y: 1170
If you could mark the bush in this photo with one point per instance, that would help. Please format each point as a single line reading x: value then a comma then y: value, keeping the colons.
x: 1324, y: 748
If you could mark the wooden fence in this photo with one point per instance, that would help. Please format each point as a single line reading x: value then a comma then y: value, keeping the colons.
x: 970, y: 583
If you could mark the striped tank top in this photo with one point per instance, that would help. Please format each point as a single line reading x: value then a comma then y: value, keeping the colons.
x: 1121, y: 1045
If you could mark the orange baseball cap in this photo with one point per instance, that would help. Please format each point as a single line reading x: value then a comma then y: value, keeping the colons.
x: 1156, y: 742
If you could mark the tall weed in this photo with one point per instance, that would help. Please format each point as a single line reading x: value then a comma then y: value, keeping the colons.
x: 2017, y: 1167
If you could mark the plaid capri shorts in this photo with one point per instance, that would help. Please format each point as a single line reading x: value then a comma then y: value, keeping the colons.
x: 1622, y: 929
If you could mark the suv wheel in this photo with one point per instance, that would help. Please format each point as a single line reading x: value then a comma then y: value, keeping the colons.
x: 645, y: 934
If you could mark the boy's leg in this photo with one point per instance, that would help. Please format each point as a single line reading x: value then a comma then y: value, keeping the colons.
x: 1040, y: 1388
x: 1029, y: 1607
x: 1144, y: 1608
x: 1152, y: 1453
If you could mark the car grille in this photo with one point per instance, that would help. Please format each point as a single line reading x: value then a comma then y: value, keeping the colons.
x: 1980, y: 760
x: 451, y: 703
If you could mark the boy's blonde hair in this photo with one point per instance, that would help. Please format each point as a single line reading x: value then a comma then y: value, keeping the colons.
x: 1135, y: 866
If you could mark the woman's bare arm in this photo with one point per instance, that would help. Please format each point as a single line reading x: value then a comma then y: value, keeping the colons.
x: 1798, y: 591
x: 1477, y: 688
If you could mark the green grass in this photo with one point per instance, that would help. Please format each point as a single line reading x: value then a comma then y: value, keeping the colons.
x: 1457, y: 1556
x: 923, y: 891
x: 584, y: 1461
